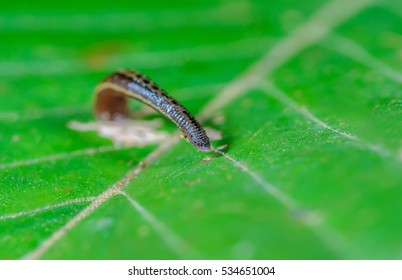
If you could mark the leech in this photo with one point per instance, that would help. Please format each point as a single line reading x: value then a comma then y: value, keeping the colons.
x: 111, y: 103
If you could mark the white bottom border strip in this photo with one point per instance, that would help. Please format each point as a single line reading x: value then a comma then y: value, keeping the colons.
x: 261, y: 269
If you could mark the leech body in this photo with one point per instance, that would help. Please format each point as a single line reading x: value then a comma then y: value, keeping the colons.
x: 111, y: 103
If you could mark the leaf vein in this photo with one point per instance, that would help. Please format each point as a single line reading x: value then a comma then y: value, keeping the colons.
x: 171, y: 239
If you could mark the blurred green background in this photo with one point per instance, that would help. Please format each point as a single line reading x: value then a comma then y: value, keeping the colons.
x: 317, y: 149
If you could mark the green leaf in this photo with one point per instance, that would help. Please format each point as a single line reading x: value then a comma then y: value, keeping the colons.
x: 308, y: 98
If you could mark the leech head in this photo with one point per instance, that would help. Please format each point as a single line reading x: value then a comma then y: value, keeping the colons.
x: 200, y: 141
x: 205, y: 148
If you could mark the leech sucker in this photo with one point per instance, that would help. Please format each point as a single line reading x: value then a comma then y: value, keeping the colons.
x: 111, y: 103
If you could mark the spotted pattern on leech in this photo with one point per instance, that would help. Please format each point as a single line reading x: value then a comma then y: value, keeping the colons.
x: 147, y: 83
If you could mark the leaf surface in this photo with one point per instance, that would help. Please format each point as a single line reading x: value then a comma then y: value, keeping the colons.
x: 308, y: 98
